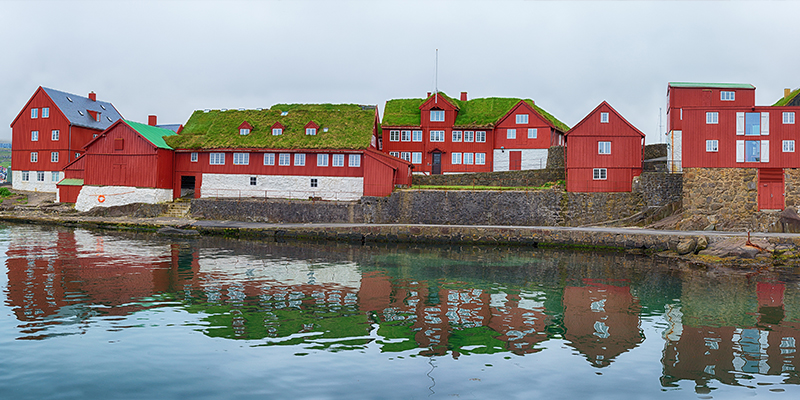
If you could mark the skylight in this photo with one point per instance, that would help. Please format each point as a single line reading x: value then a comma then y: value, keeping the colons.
x: 70, y: 100
x: 109, y: 119
x: 284, y: 113
x: 102, y: 106
x: 80, y: 112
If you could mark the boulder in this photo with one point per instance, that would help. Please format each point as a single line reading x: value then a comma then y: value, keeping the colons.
x: 686, y: 246
x: 702, y: 244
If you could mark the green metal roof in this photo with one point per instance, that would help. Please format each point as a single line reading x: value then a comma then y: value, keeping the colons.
x: 71, y: 182
x: 713, y: 85
x: 154, y: 135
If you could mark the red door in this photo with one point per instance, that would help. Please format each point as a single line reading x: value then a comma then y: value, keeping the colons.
x: 514, y: 160
x: 770, y: 189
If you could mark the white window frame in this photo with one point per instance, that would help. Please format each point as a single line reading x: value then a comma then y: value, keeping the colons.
x: 603, y: 117
x: 469, y: 136
x: 522, y: 118
x: 788, y: 146
x: 337, y: 160
x: 34, y: 156
x: 727, y: 95
x: 322, y: 160
x: 456, y: 136
x: 241, y: 158
x: 788, y: 117
x: 34, y: 136
x: 300, y: 159
x: 600, y: 174
x: 277, y: 131
x: 40, y: 176
x: 45, y: 112
x: 712, y: 117
x: 455, y: 158
x: 216, y: 158
x: 406, y: 155
x: 193, y: 157
x: 416, y: 136
x: 604, y: 147
x: 394, y: 136
x: 437, y: 115
x: 54, y: 156
x: 480, y: 158
x: 712, y: 146
x: 55, y: 175
x: 469, y: 158
x: 354, y: 160
x: 54, y: 135
x: 34, y: 113
x: 437, y: 136
x: 244, y: 131
x: 269, y: 158
x: 480, y: 136
x: 314, y: 182
x: 26, y: 176
x: 511, y: 133
x: 405, y: 136
x: 311, y: 131
x: 394, y: 154
x: 533, y: 133
x: 416, y: 157
x: 284, y: 159
x: 253, y: 181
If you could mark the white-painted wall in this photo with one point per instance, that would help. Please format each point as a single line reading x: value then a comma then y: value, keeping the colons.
x: 89, y: 197
x: 531, y: 159
x: 34, y: 185
x: 282, y: 186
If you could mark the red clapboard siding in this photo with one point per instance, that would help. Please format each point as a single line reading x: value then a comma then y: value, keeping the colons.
x: 509, y: 121
x: 682, y: 97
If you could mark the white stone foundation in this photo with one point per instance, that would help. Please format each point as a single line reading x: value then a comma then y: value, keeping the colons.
x: 90, y: 196
x: 531, y: 159
x: 282, y: 186
x: 34, y: 185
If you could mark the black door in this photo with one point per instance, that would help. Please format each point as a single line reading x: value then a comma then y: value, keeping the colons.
x: 436, y: 168
x: 187, y: 186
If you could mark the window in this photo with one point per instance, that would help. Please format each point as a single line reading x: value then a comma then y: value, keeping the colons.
x: 54, y: 175
x: 437, y: 136
x: 97, y: 117
x: 54, y: 135
x: 511, y: 133
x: 405, y: 136
x: 416, y: 158
x: 469, y: 136
x: 788, y: 146
x: 455, y: 159
x: 394, y: 154
x: 244, y: 131
x: 712, y: 117
x: 284, y: 159
x: 77, y: 155
x: 727, y: 96
x: 34, y: 156
x: 600, y: 174
x: 216, y: 158
x: 34, y: 136
x: 437, y: 116
x: 752, y: 123
x: 712, y: 146
x: 337, y: 160
x: 752, y: 150
x: 253, y: 181
x: 322, y: 160
x: 788, y: 117
x: 193, y: 157
x: 34, y: 113
x: 26, y: 176
x: 603, y: 117
x: 480, y: 136
x: 314, y: 182
x: 533, y: 133
x: 469, y: 158
x: 40, y: 176
x: 269, y: 158
x: 311, y: 131
x: 522, y: 118
x: 603, y: 147
x: 394, y: 136
x: 456, y: 136
x: 277, y: 131
x: 417, y: 136
x: 241, y: 158
x: 406, y: 155
x: 355, y: 160
x: 300, y: 159
x: 45, y: 112
x: 480, y: 158
x: 53, y: 156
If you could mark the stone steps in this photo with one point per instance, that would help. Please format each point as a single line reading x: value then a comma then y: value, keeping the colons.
x: 177, y: 209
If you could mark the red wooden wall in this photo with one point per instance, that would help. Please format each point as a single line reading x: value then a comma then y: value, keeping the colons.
x: 682, y: 97
x: 543, y: 137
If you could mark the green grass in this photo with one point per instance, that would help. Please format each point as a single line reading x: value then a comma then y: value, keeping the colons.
x: 547, y: 185
x: 785, y: 100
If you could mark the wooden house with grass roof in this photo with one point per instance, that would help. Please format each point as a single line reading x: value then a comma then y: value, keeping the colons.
x: 440, y: 134
x: 303, y: 151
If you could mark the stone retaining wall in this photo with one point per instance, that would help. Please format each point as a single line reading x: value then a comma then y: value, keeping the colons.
x: 659, y: 188
x: 530, y: 178
x: 723, y: 199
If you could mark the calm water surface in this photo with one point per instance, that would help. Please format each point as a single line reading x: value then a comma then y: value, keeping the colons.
x: 95, y: 315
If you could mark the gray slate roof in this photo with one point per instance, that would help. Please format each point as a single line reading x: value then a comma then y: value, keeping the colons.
x: 73, y: 105
x: 172, y: 127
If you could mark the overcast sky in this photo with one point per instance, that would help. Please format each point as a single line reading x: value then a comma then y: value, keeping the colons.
x: 170, y: 58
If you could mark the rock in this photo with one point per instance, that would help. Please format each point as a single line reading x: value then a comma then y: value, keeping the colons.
x: 702, y: 244
x: 789, y: 220
x: 734, y: 247
x: 710, y: 227
x: 168, y: 230
x: 687, y: 246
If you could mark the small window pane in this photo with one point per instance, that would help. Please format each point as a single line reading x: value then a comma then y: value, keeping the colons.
x: 269, y: 158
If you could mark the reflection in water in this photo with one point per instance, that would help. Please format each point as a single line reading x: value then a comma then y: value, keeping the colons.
x: 430, y: 301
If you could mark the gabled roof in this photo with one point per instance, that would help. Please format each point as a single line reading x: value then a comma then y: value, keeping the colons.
x: 73, y: 105
x: 712, y: 85
x: 588, y: 117
x: 788, y: 100
x: 475, y: 113
x: 152, y: 134
x: 350, y: 126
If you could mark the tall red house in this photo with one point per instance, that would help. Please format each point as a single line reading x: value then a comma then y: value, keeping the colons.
x: 440, y: 134
x: 50, y: 133
x: 604, y: 152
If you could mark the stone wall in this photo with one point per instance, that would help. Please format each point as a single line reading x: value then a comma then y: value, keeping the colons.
x: 659, y: 188
x: 655, y: 151
x: 555, y: 157
x: 277, y: 210
x: 528, y: 178
x: 722, y: 199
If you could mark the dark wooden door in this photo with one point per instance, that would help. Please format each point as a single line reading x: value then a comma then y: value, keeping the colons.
x: 436, y: 164
x: 514, y: 160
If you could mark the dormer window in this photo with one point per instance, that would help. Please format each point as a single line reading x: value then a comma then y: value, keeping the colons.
x: 437, y: 115
x: 311, y: 131
x: 311, y: 128
x: 97, y: 117
x: 244, y: 131
x: 277, y: 131
x: 245, y: 128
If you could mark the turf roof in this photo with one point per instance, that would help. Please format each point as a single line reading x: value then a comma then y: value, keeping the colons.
x: 350, y: 126
x: 785, y: 100
x: 476, y: 113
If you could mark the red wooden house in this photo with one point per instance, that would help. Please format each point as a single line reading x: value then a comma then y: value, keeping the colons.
x: 604, y: 152
x: 50, y: 133
x: 440, y: 134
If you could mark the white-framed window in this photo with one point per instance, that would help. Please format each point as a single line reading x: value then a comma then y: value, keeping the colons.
x: 416, y: 157
x: 284, y: 159
x: 77, y: 155
x: 788, y: 146
x: 394, y: 154
x: 394, y: 136
x: 241, y: 158
x: 712, y: 117
x: 522, y: 118
x: 480, y: 136
x: 533, y: 133
x: 603, y: 117
x: 299, y: 159
x: 244, y: 131
x: 603, y: 147
x: 53, y: 156
x: 416, y: 136
x: 469, y: 158
x: 406, y: 155
x: 725, y: 95
x: 34, y: 113
x: 314, y: 182
x: 193, y: 157
x: 55, y: 175
x: 337, y: 160
x: 480, y: 158
x: 253, y: 181
x: 54, y: 134
x: 45, y: 112
x: 788, y: 117
x: 277, y: 131
x: 311, y: 131
x: 269, y: 158
x: 455, y: 158
x: 354, y: 160
x: 216, y: 158
x: 712, y: 146
x: 456, y: 136
x: 26, y: 176
x: 40, y: 176
x: 437, y: 136
x: 322, y: 160
x: 34, y: 136
x: 437, y: 116
x: 600, y: 174
x: 405, y: 136
x: 34, y: 156
x: 511, y: 133
x: 469, y: 136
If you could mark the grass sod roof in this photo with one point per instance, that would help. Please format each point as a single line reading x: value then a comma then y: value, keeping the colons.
x: 481, y: 112
x: 153, y: 134
x: 350, y: 126
x: 785, y: 100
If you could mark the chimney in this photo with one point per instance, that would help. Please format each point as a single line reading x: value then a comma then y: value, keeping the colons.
x: 92, y: 96
x: 463, y: 96
x: 151, y: 120
x: 429, y: 95
x: 786, y: 92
